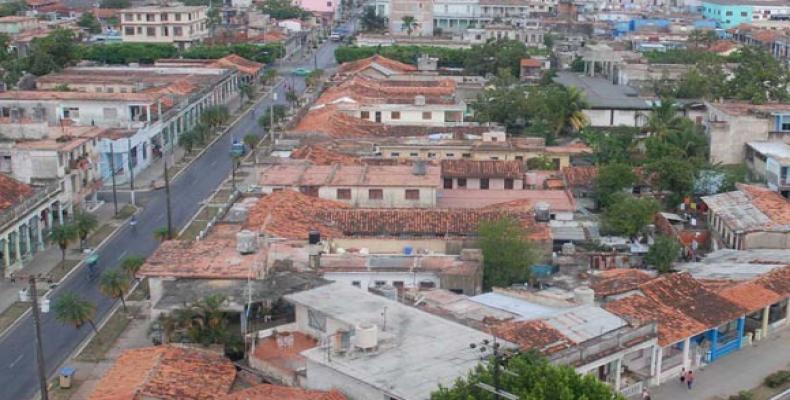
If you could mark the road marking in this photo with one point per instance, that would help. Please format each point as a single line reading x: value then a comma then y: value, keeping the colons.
x: 121, y: 256
x: 15, y: 361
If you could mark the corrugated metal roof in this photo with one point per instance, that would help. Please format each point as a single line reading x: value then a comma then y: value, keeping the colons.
x: 585, y: 322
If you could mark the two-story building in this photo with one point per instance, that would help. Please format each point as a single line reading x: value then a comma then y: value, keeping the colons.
x: 482, y: 174
x: 183, y: 26
x: 730, y: 125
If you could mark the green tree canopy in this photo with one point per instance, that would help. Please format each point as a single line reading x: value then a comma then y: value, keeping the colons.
x: 662, y: 253
x: 115, y: 4
x: 85, y: 223
x: 89, y: 22
x: 125, y: 53
x: 759, y: 77
x: 12, y: 8
x: 507, y: 252
x: 613, y: 145
x: 628, y: 215
x: 71, y: 308
x: 283, y: 9
x: 529, y: 377
x: 372, y: 22
x: 131, y: 264
x: 114, y: 284
x: 611, y: 181
x: 63, y: 235
x: 491, y: 57
x: 261, y: 53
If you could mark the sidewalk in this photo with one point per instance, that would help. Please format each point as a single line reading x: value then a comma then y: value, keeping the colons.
x: 742, y: 370
x: 45, y: 261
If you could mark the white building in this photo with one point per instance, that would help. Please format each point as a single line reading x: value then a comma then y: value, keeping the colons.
x: 183, y: 26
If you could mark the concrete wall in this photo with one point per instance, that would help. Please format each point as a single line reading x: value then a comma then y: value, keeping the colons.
x: 393, y: 197
x: 493, y: 183
x: 368, y: 279
x: 393, y: 245
x: 766, y: 240
x: 408, y: 116
x: 611, y: 117
x: 729, y: 134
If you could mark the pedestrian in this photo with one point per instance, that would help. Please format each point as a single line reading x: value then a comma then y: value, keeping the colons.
x: 690, y: 379
x: 682, y: 376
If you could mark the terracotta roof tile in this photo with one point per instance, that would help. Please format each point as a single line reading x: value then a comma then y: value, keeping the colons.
x: 167, y: 373
x: 750, y: 295
x: 365, y: 90
x: 319, y: 154
x: 771, y: 203
x: 239, y: 63
x: 683, y: 293
x: 13, y: 191
x: 531, y: 63
x: 482, y: 169
x: 276, y: 392
x: 722, y: 46
x: 533, y: 335
x: 292, y: 215
x: 618, y: 280
x: 777, y: 281
x: 582, y: 176
x: 673, y: 325
x: 355, y: 67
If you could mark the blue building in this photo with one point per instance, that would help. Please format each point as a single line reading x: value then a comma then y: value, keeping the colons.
x: 728, y: 13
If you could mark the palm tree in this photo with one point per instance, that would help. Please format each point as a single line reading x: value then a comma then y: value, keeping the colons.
x: 251, y: 141
x: 63, y: 235
x: 409, y: 23
x: 131, y: 264
x: 72, y: 309
x: 574, y: 111
x: 114, y: 284
x: 245, y: 90
x: 268, y: 76
x: 162, y: 233
x: 85, y: 223
x: 664, y: 118
x: 292, y: 98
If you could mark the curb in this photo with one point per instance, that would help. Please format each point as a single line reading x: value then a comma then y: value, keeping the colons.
x: 63, y: 279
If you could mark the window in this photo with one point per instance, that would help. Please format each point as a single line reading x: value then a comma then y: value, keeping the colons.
x: 110, y: 90
x: 448, y: 183
x: 449, y: 155
x: 431, y: 155
x: 356, y: 283
x: 139, y: 30
x: 380, y: 283
x: 375, y: 194
x: 426, y: 115
x: 150, y: 31
x: 508, y: 183
x: 395, y: 115
x: 128, y: 31
x: 71, y: 112
x: 461, y: 182
x: 178, y: 16
x: 344, y: 194
x: 329, y: 4
x: 728, y: 13
x: 99, y: 90
x: 177, y: 31
x: 398, y: 284
x: 316, y: 320
x: 163, y: 17
x: 743, y: 13
x: 128, y: 17
x: 394, y: 154
x: 427, y: 285
x: 484, y: 183
x: 364, y: 114
x: 466, y: 155
x: 519, y: 158
x: 165, y: 31
x: 414, y: 154
x: 412, y: 194
x: 149, y: 18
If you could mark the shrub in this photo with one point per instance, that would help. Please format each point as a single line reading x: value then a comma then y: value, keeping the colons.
x: 777, y: 379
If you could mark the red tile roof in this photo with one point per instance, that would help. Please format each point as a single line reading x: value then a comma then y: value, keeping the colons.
x: 365, y: 90
x: 558, y: 200
x: 771, y: 203
x: 292, y: 215
x: 283, y: 352
x: 722, y: 46
x: 750, y: 295
x: 355, y: 67
x: 167, y: 373
x: 673, y: 325
x: 319, y: 154
x: 582, y: 176
x: 680, y: 291
x: 13, y: 191
x: 531, y: 63
x: 618, y: 280
x: 533, y: 335
x: 275, y: 392
x: 241, y: 64
x: 482, y: 169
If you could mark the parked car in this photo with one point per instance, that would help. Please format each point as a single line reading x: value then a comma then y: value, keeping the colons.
x: 301, y: 72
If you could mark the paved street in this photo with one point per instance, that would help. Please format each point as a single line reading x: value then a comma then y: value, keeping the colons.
x: 18, y: 379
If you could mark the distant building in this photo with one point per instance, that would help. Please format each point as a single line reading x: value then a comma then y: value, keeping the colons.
x: 420, y: 10
x: 730, y: 125
x: 183, y: 26
x: 731, y: 13
x: 770, y: 161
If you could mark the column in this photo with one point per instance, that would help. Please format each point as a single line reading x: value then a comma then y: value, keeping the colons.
x: 60, y: 213
x: 617, y: 365
x: 686, y: 350
x: 766, y: 314
x: 741, y: 326
x: 148, y: 113
x: 713, y: 335
x: 40, y: 232
x: 49, y: 216
x: 6, y: 254
x: 659, y: 356
x: 17, y: 250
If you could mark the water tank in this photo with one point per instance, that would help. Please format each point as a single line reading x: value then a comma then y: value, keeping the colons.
x: 542, y: 211
x: 568, y: 249
x: 389, y: 291
x: 314, y: 237
x: 584, y: 295
x: 407, y: 250
x: 246, y: 242
x: 367, y: 336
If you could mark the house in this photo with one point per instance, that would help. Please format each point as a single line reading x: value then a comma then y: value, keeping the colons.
x: 609, y: 105
x: 376, y: 67
x: 750, y: 217
x: 531, y: 69
x: 25, y: 213
x: 420, y: 10
x: 364, y: 186
x: 529, y: 32
x: 770, y: 161
x: 182, y: 26
x: 13, y: 25
x: 731, y: 13
x: 730, y: 125
x: 249, y: 71
x: 378, y: 343
x: 482, y: 174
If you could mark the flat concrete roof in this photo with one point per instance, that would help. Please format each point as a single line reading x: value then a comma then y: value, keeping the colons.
x: 739, y: 265
x: 416, y: 352
x: 779, y: 150
x: 600, y: 93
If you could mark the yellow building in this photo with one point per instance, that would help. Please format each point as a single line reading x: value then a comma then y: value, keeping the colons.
x: 182, y: 26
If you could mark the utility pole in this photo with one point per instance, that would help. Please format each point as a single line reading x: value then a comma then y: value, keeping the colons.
x: 112, y: 173
x: 131, y: 172
x: 495, y: 389
x: 315, y: 58
x: 271, y: 115
x: 167, y: 200
x: 42, y: 375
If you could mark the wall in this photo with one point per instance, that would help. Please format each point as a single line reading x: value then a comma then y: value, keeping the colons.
x: 393, y: 197
x: 738, y: 14
x: 729, y: 134
x: 408, y: 116
x: 395, y: 246
x: 368, y: 279
x: 766, y: 240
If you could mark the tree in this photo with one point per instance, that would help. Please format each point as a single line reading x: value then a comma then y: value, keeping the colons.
x: 628, y: 215
x: 12, y: 8
x: 60, y: 45
x: 492, y: 57
x: 114, y: 284
x: 245, y: 90
x: 408, y: 23
x: 507, y: 253
x: 759, y: 78
x: 504, y: 104
x: 314, y: 77
x: 268, y: 76
x: 705, y: 80
x: 577, y: 65
x: 213, y: 18
x: 664, y: 118
x: 213, y: 117
x: 699, y: 38
x: 611, y: 146
x: 72, y: 309
x: 203, y: 322
x: 541, y: 162
x: 125, y: 53
x: 131, y: 264
x: 187, y: 140
x: 279, y: 115
x: 63, y: 235
x: 115, y: 4
x: 283, y: 9
x: 662, y: 253
x: 559, y: 108
x: 529, y: 376
x: 372, y: 22
x: 85, y: 223
x: 251, y: 140
x: 162, y: 233
x: 292, y: 97
x: 89, y: 22
x: 675, y: 175
x: 611, y: 181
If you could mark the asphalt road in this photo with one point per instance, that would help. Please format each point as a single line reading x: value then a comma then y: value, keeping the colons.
x: 18, y: 377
